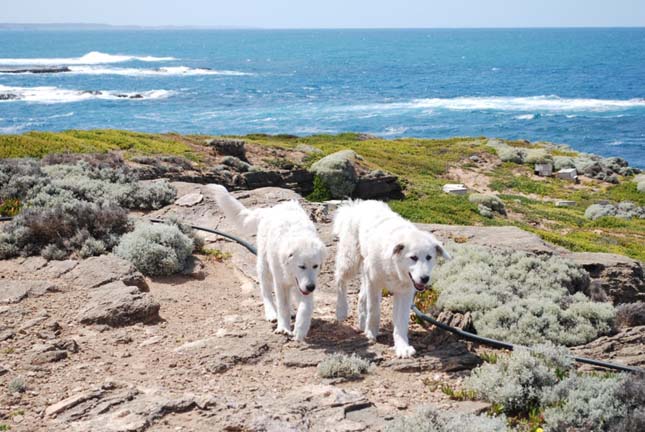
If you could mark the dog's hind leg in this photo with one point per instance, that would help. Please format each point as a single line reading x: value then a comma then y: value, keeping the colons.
x: 266, y: 285
x: 303, y: 317
x: 345, y: 269
x: 362, y: 302
x: 373, y: 318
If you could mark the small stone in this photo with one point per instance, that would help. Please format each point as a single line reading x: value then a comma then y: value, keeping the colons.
x: 190, y: 199
x: 565, y: 203
x: 71, y: 401
x: 455, y: 189
x: 48, y: 357
x: 151, y: 341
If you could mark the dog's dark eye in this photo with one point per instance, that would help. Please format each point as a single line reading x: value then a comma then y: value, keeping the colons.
x: 414, y: 258
x: 428, y: 257
x: 302, y: 267
x: 315, y: 266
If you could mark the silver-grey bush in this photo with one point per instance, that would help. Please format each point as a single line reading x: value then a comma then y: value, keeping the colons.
x: 520, y: 297
x: 156, y: 250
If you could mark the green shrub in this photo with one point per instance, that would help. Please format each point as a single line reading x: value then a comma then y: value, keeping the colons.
x: 10, y: 206
x: 583, y: 402
x: 487, y: 204
x: 18, y: 176
x: 516, y: 382
x: 537, y: 155
x: 506, y: 152
x: 156, y: 250
x: 562, y: 162
x: 95, y: 184
x: 65, y: 228
x: 17, y: 385
x: 521, y: 298
x: 632, y: 396
x: 630, y: 314
x: 321, y: 192
x: 343, y: 366
x: 430, y: 419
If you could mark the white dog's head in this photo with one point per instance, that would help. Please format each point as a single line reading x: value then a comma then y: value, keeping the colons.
x: 303, y: 259
x: 415, y: 256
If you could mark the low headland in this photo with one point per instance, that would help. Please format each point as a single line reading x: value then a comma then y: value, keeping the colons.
x: 109, y: 322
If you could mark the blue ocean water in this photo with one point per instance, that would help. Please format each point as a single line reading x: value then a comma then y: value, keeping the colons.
x: 582, y: 87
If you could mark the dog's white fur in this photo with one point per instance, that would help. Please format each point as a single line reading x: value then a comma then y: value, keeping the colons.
x: 390, y: 253
x: 290, y: 255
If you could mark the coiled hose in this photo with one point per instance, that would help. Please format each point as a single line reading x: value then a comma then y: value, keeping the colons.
x: 422, y: 316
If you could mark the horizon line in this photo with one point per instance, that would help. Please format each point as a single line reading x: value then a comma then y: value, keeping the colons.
x: 243, y: 27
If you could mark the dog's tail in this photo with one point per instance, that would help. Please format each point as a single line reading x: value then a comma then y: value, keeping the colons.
x: 245, y: 219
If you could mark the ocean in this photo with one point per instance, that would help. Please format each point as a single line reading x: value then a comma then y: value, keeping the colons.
x: 581, y: 87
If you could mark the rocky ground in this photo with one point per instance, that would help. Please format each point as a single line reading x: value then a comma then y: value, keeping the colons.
x: 101, y: 348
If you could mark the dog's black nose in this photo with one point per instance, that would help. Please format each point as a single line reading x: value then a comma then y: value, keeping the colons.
x: 311, y: 287
x: 425, y: 279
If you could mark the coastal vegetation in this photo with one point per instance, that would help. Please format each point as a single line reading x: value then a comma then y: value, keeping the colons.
x: 423, y: 166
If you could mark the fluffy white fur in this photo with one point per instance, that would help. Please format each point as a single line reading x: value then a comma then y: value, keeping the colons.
x: 390, y: 253
x: 290, y: 255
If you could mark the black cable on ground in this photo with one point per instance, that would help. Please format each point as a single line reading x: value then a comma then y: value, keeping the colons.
x: 505, y: 345
x: 238, y: 240
x: 462, y: 334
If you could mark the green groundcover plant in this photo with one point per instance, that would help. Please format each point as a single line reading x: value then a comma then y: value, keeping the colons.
x: 520, y: 297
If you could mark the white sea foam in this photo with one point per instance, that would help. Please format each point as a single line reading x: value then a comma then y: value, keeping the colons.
x: 162, y: 71
x: 526, y: 117
x: 532, y: 103
x: 94, y: 57
x: 51, y: 95
x: 15, y: 128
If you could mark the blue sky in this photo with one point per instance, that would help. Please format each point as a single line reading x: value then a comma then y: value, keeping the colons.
x: 331, y: 13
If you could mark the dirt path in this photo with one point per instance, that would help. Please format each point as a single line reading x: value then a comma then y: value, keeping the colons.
x: 210, y: 363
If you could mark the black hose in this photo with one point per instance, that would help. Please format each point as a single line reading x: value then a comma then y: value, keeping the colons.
x: 506, y: 345
x: 238, y: 240
x: 462, y: 334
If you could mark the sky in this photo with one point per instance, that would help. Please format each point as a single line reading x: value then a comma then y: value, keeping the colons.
x: 330, y: 13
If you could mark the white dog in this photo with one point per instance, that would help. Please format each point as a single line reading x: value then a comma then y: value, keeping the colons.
x: 390, y: 253
x: 290, y: 255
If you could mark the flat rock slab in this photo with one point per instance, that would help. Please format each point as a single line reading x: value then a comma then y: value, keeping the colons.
x: 450, y: 357
x: 626, y: 347
x: 190, y: 199
x: 97, y: 271
x: 15, y: 291
x: 115, y: 409
x: 117, y: 304
x: 218, y: 354
x: 505, y: 237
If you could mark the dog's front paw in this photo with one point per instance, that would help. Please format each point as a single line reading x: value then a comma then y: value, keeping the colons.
x: 405, y: 351
x: 371, y: 335
x: 299, y: 336
x: 270, y: 315
x: 284, y: 331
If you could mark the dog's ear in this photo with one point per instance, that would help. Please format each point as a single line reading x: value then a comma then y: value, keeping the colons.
x: 397, y: 249
x: 441, y: 251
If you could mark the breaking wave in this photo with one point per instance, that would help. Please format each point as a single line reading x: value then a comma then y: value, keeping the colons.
x: 50, y: 95
x: 94, y: 57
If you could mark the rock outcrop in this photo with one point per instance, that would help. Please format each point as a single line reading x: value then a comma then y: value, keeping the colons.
x: 117, y: 304
x: 620, y: 278
x: 337, y: 172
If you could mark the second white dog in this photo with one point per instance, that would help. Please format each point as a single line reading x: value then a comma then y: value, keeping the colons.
x: 390, y: 253
x: 290, y: 255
